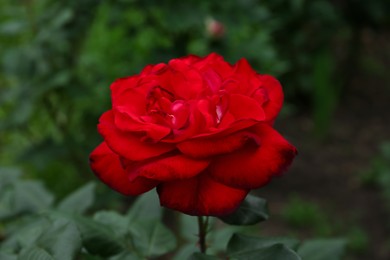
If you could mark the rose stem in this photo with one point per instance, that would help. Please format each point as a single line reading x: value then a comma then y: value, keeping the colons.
x: 202, y: 226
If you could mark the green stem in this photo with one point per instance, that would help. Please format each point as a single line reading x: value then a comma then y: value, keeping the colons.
x: 203, y: 228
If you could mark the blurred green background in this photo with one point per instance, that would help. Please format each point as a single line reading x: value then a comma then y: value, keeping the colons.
x: 58, y: 59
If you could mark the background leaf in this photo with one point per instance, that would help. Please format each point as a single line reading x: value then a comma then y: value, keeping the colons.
x: 152, y: 238
x: 274, y: 252
x: 62, y: 239
x: 98, y: 239
x: 79, y: 201
x: 200, y: 256
x: 322, y: 249
x: 251, y: 211
x: 35, y: 253
x: 242, y: 243
x: 118, y: 224
x: 146, y: 207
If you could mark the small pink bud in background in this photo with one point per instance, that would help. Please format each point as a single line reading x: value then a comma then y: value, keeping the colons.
x: 214, y: 28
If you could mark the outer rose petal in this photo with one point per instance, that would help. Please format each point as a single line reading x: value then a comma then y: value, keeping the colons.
x: 253, y: 166
x: 170, y: 168
x: 127, y: 144
x: 214, y: 62
x: 200, y: 196
x: 206, y: 147
x: 240, y: 81
x: 275, y: 95
x: 107, y: 167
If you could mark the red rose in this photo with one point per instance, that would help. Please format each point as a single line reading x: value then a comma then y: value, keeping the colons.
x: 197, y: 129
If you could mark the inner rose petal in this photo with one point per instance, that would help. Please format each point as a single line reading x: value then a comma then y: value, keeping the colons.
x: 261, y: 96
x: 180, y: 112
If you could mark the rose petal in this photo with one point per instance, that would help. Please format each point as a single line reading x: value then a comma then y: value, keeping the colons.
x: 253, y: 166
x: 122, y: 84
x: 216, y: 145
x: 275, y: 96
x: 125, y: 122
x: 182, y: 80
x: 244, y: 107
x: 170, y: 168
x: 200, y: 196
x: 190, y: 59
x: 107, y: 167
x: 243, y: 73
x: 128, y: 144
x: 215, y: 62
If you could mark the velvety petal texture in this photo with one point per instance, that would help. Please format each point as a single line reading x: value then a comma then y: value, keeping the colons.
x: 107, y: 167
x: 257, y: 162
x: 197, y: 128
x: 200, y: 195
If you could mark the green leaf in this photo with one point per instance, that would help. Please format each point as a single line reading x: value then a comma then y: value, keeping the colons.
x: 189, y: 227
x: 251, y: 211
x: 200, y: 256
x: 22, y: 197
x: 243, y: 243
x: 12, y: 27
x: 31, y: 196
x: 125, y: 256
x: 59, y: 237
x: 24, y: 235
x: 35, y: 253
x: 97, y: 238
x: 7, y: 204
x: 7, y: 256
x: 322, y: 249
x: 118, y: 223
x: 79, y: 201
x: 185, y: 251
x: 152, y: 238
x: 274, y: 252
x: 220, y: 238
x: 8, y: 176
x: 146, y: 207
x: 62, y: 239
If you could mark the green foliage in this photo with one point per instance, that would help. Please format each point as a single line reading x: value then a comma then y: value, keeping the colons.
x: 251, y: 211
x: 64, y: 231
x: 325, y: 92
x: 18, y: 196
x: 79, y: 201
x: 322, y: 249
x: 358, y: 240
x: 250, y: 247
x: 242, y: 243
x: 302, y: 214
x: 379, y: 172
x: 45, y: 231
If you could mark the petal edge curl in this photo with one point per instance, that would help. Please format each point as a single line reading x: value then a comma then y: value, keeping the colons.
x: 253, y: 166
x: 107, y: 167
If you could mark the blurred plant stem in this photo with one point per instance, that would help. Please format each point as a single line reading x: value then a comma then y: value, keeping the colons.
x: 203, y: 229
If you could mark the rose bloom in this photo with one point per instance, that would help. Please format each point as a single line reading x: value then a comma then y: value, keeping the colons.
x: 199, y: 130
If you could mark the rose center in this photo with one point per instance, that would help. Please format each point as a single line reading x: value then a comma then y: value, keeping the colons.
x: 165, y: 110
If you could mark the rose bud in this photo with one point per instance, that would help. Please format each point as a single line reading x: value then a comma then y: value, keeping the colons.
x: 214, y: 28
